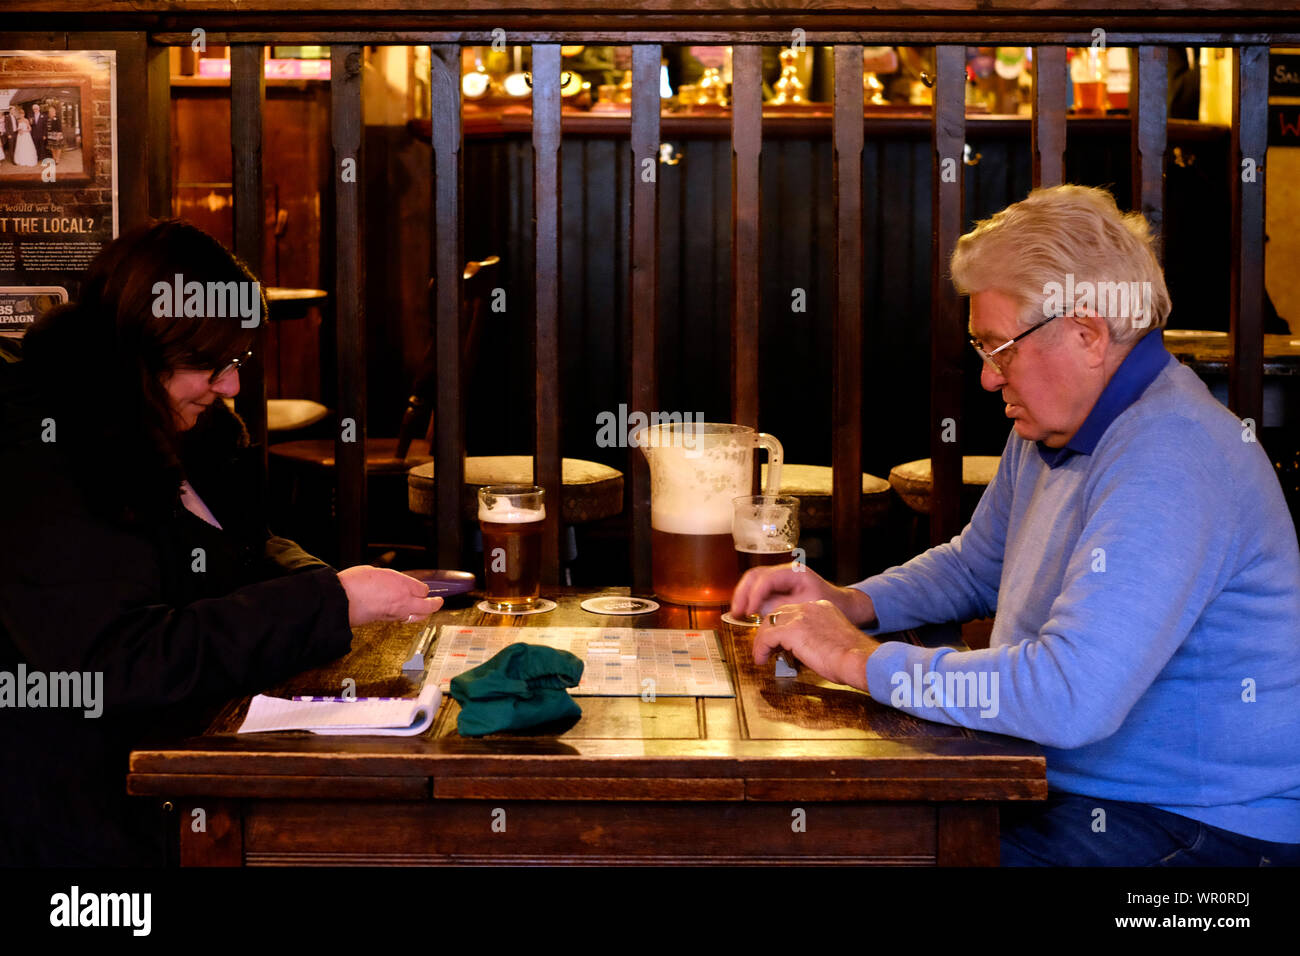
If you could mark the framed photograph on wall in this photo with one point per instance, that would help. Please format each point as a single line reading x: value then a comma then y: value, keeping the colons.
x: 46, y: 135
x: 58, y: 174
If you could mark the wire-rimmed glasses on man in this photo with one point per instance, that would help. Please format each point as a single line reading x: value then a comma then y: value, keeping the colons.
x: 988, y: 356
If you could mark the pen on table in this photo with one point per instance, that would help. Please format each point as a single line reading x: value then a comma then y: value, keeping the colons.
x: 350, y: 700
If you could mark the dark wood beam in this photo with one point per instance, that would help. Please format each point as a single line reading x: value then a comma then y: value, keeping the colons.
x: 349, y: 301
x: 947, y: 326
x: 846, y: 388
x: 547, y: 471
x: 448, y: 268
x: 1246, y: 305
x: 643, y: 289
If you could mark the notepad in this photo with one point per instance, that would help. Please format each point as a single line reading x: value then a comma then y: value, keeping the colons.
x: 404, y: 717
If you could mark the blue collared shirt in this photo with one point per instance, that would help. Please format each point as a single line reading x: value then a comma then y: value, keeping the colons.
x: 1138, y: 370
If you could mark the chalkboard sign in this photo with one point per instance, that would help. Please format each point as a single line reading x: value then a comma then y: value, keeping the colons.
x: 1284, y: 74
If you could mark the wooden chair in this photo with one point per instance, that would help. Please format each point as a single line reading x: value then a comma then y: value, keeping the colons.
x: 310, y: 462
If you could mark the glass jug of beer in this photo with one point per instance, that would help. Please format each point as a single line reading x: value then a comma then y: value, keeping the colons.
x: 697, y: 470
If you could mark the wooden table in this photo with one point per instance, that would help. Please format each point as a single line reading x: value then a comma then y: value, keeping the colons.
x: 790, y: 770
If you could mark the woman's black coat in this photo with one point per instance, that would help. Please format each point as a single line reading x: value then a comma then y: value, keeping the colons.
x: 176, y: 614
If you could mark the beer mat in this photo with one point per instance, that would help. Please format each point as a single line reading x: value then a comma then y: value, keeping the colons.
x: 541, y: 607
x: 730, y: 618
x: 443, y: 583
x: 617, y: 661
x: 617, y: 604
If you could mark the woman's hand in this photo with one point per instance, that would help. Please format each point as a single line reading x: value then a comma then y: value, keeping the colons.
x: 821, y: 637
x: 762, y: 589
x: 382, y: 594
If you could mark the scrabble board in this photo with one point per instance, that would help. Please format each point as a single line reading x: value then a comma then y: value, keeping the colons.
x: 619, y: 660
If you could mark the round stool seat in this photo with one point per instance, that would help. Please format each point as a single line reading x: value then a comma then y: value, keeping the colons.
x: 811, y: 484
x: 292, y: 303
x: 290, y: 414
x: 381, y: 454
x: 914, y: 481
x: 591, y: 490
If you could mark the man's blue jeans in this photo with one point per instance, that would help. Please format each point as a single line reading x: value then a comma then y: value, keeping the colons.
x: 1061, y: 833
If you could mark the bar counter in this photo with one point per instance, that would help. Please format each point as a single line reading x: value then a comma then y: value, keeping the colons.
x: 793, y: 770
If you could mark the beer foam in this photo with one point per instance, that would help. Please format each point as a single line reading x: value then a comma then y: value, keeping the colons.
x: 697, y: 523
x: 692, y: 490
x: 762, y: 544
x: 759, y: 540
x: 766, y: 529
x: 503, y: 512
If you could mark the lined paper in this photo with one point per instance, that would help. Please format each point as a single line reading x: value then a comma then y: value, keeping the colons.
x: 405, y: 717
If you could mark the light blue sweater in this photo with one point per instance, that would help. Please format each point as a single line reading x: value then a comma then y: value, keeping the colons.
x: 1146, y: 580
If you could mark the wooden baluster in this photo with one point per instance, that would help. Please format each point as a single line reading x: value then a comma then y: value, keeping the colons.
x: 846, y: 423
x: 947, y: 331
x: 746, y: 281
x: 247, y: 94
x: 1047, y: 129
x: 1249, y: 144
x: 159, y: 136
x: 449, y: 266
x: 349, y: 301
x: 546, y: 204
x: 643, y: 289
x: 1148, y: 109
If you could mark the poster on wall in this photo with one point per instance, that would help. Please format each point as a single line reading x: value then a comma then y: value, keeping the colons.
x: 58, y: 176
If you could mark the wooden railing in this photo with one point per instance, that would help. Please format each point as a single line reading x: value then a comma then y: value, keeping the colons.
x: 1049, y: 26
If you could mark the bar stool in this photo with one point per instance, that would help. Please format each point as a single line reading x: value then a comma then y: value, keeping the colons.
x: 914, y: 482
x: 812, y: 485
x: 591, y: 492
x: 284, y: 416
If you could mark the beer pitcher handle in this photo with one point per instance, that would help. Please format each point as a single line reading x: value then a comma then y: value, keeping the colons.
x: 775, y: 458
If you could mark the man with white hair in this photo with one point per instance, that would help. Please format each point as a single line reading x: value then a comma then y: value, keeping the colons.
x: 1136, y: 547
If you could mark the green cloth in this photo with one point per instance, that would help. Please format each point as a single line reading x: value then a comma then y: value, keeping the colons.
x: 521, y: 686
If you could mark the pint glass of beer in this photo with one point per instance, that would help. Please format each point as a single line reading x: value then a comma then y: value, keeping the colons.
x: 765, y: 529
x: 511, y: 518
x: 1088, y: 71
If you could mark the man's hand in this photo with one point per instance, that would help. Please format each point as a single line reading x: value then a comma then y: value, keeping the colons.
x: 382, y: 594
x: 763, y: 589
x: 821, y: 637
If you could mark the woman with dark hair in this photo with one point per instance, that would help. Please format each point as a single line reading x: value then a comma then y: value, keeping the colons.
x: 133, y: 553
